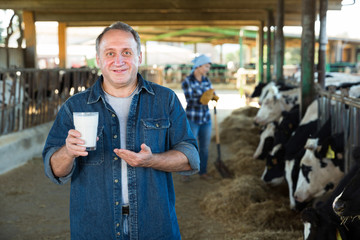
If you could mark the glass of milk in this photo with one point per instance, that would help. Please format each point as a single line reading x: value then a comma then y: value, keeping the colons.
x: 87, y: 123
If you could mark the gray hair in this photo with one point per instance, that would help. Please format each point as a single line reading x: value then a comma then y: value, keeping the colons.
x: 123, y: 27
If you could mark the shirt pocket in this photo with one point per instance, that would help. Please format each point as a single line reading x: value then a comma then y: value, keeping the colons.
x: 95, y: 157
x: 155, y: 133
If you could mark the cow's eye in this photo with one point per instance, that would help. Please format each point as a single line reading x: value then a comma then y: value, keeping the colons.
x: 306, y: 170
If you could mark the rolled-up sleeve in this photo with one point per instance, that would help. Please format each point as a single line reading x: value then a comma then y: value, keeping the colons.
x: 48, y: 171
x: 190, y: 151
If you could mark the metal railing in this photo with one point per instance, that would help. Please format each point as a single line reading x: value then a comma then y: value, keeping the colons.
x: 29, y: 97
x: 345, y: 117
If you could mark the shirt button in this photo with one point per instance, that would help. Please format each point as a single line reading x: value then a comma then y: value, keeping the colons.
x: 116, y: 203
x: 118, y: 233
x: 157, y: 125
x: 116, y: 181
x: 117, y: 225
x: 115, y: 136
x: 113, y: 115
x: 116, y: 158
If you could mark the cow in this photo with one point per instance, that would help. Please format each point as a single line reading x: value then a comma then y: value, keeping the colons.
x: 320, y: 169
x: 275, y: 162
x: 12, y: 96
x: 321, y: 222
x: 263, y: 90
x: 272, y: 107
x: 294, y: 151
x: 347, y: 203
x: 275, y: 166
x: 266, y: 141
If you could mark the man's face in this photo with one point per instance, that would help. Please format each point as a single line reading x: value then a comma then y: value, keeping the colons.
x: 118, y: 59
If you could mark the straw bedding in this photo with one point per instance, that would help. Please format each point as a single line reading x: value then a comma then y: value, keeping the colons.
x: 246, y: 205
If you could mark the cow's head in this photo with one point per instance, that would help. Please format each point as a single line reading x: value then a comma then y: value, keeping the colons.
x: 275, y: 166
x: 317, y: 227
x: 269, y: 111
x: 347, y: 204
x: 266, y: 141
x: 316, y: 177
x: 287, y: 125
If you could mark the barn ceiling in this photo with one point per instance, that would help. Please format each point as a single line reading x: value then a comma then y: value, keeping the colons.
x: 166, y: 20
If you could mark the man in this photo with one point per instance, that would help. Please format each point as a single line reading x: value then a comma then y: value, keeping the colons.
x: 123, y: 189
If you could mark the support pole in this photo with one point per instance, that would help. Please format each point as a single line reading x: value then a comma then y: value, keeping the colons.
x: 279, y: 43
x: 30, y: 38
x: 62, y: 44
x: 307, y: 54
x: 268, y: 43
x: 260, y: 42
x: 322, y: 43
x: 241, y: 52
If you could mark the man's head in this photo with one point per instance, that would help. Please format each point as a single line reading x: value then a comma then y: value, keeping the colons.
x: 118, y: 55
x: 123, y: 27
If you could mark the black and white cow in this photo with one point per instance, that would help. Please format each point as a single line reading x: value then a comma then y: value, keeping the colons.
x: 274, y: 104
x: 321, y: 222
x: 347, y: 203
x: 275, y: 162
x: 266, y: 141
x: 320, y: 169
x: 294, y: 151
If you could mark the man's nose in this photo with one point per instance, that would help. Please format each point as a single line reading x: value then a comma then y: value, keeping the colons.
x: 119, y: 60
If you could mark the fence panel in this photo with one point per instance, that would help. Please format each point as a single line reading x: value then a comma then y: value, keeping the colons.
x: 29, y: 97
x: 345, y: 117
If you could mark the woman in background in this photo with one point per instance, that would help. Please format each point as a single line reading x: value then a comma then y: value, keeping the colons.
x: 198, y: 92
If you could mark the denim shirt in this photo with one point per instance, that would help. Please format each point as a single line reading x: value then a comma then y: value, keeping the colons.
x: 157, y: 119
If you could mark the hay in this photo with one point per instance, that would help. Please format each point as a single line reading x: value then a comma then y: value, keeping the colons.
x: 271, y: 235
x: 246, y: 111
x: 245, y: 204
x: 231, y: 199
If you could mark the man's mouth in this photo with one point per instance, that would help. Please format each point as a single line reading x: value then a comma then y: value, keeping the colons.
x: 119, y: 70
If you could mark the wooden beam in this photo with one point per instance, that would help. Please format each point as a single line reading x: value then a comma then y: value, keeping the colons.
x: 30, y: 39
x: 62, y: 44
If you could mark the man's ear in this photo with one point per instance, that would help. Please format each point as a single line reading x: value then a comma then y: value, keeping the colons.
x: 140, y: 58
x: 97, y: 60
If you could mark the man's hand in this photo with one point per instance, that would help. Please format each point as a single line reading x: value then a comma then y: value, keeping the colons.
x: 169, y: 161
x: 62, y: 161
x: 73, y: 142
x: 140, y: 159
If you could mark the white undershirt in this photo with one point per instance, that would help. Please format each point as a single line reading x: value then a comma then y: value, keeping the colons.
x: 121, y: 107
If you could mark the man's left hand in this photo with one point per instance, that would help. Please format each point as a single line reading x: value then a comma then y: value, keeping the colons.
x: 140, y: 159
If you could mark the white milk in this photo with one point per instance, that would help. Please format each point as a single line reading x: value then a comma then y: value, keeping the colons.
x: 86, y: 123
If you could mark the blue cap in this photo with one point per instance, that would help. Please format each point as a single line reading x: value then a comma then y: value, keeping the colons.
x: 200, y: 60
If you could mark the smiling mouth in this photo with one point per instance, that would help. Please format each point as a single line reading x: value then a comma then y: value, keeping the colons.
x: 119, y: 70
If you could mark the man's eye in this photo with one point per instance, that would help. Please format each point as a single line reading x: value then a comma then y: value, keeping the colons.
x: 110, y: 54
x: 127, y: 53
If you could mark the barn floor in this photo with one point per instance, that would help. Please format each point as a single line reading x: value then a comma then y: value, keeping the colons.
x: 31, y: 207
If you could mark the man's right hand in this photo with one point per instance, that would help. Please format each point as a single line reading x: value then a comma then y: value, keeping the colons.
x: 73, y: 142
x: 62, y: 161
